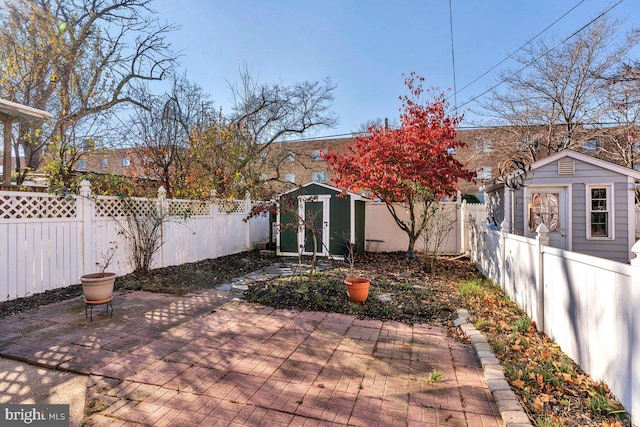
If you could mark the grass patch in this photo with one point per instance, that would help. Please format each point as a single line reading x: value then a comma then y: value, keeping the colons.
x: 553, y: 390
x: 435, y: 376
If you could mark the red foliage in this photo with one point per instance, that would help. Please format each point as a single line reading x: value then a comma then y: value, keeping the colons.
x: 398, y: 164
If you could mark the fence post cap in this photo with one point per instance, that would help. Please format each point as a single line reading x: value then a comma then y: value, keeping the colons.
x: 542, y: 230
x: 85, y: 188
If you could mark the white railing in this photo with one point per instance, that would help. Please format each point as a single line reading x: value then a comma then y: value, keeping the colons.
x: 48, y: 242
x: 590, y: 306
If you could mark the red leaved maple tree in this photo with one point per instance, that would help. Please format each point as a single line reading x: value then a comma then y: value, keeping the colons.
x: 411, y: 166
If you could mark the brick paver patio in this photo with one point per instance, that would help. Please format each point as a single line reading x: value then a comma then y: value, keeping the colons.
x: 205, y: 360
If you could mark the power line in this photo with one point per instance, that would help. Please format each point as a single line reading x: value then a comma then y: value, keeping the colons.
x: 459, y: 128
x: 512, y: 53
x: 453, y: 59
x: 528, y: 64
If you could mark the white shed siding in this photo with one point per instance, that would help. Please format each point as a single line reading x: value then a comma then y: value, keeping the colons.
x: 617, y: 249
x: 585, y: 174
x: 520, y: 221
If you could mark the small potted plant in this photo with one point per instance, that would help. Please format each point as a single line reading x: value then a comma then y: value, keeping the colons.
x: 357, y: 287
x: 99, y: 286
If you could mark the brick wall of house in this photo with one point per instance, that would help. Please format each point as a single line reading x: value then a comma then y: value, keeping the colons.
x: 488, y: 152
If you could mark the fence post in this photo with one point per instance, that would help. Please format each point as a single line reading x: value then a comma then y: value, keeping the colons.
x: 247, y: 198
x: 86, y: 210
x: 542, y: 239
x: 162, y: 205
x: 213, y: 211
x: 462, y: 221
x: 472, y: 240
x: 504, y: 230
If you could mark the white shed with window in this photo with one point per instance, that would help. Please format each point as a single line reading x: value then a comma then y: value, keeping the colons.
x: 588, y: 204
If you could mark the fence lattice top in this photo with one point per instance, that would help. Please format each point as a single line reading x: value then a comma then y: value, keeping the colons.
x: 33, y: 206
x: 119, y: 207
x: 188, y: 208
x: 231, y: 206
x: 21, y: 205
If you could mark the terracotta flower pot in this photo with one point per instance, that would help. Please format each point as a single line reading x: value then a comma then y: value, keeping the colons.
x: 97, y: 286
x: 357, y: 289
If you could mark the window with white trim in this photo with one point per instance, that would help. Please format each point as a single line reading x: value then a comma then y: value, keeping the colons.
x: 484, y: 173
x: 316, y: 155
x: 126, y: 162
x: 528, y: 145
x: 319, y: 176
x: 599, y: 212
x: 484, y: 146
x: 545, y: 209
x: 591, y: 146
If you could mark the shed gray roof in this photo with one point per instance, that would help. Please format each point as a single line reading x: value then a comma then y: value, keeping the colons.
x: 499, y: 182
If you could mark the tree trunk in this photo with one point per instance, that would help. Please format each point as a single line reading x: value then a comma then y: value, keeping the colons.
x: 411, y: 250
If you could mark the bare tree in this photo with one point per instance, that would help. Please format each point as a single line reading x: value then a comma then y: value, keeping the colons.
x: 76, y: 58
x: 378, y: 122
x: 620, y: 107
x: 163, y: 131
x: 234, y: 151
x: 275, y: 112
x: 555, y: 91
x: 439, y: 223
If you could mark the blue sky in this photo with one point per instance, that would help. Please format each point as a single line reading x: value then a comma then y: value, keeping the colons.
x: 365, y: 45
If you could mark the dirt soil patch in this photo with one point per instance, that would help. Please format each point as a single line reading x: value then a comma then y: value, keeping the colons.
x: 177, y: 280
x: 399, y: 290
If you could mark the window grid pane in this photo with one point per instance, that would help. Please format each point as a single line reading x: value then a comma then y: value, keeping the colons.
x: 545, y: 209
x: 599, y: 215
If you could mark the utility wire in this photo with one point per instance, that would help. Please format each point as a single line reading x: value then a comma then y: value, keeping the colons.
x: 453, y: 59
x: 461, y: 127
x: 528, y: 64
x: 455, y: 93
x: 495, y: 66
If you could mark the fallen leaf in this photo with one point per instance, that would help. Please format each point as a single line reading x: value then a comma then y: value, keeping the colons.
x: 545, y: 397
x: 545, y: 354
x: 538, y: 405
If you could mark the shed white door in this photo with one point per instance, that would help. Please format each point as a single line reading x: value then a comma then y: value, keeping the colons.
x: 548, y: 206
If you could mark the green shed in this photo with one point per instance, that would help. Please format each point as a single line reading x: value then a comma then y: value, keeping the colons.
x: 336, y: 218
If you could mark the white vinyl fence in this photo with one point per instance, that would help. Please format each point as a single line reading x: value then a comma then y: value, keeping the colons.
x: 590, y: 306
x: 48, y: 242
x: 382, y: 234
